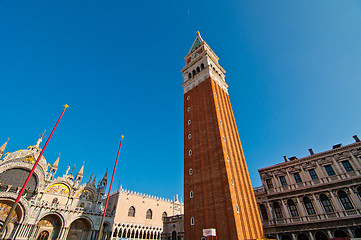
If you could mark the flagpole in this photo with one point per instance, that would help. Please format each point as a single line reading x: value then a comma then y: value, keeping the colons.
x: 12, y: 210
x: 110, y: 187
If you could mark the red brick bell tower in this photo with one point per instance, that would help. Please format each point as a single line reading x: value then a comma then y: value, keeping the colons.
x: 217, y: 188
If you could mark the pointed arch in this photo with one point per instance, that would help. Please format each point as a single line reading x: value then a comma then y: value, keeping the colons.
x: 131, y: 211
x: 149, y: 214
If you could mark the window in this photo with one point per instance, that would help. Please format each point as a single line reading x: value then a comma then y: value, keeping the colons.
x: 224, y: 138
x: 346, y: 164
x: 345, y: 200
x: 191, y: 194
x: 189, y: 122
x: 227, y: 158
x: 308, y: 205
x: 297, y: 177
x: 164, y: 216
x: 293, y: 208
x: 269, y: 183
x: 329, y: 170
x: 277, y: 209
x: 198, y: 69
x: 232, y: 182
x: 194, y: 72
x: 190, y: 153
x: 189, y: 97
x: 189, y: 136
x: 192, y: 221
x: 263, y: 212
x: 149, y: 214
x: 237, y: 208
x: 131, y: 212
x: 202, y: 66
x: 189, y: 75
x: 283, y: 181
x: 313, y: 174
x: 217, y: 107
x: 190, y: 171
x: 220, y: 121
x: 326, y: 203
x: 188, y: 109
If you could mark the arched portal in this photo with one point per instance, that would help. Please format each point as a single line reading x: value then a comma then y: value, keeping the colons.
x: 79, y: 229
x: 44, y: 235
x: 340, y: 234
x: 286, y: 237
x: 49, y: 227
x: 174, y: 235
x: 302, y: 236
x: 358, y: 232
x: 321, y: 236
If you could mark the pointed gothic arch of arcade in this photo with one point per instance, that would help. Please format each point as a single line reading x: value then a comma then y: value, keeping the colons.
x: 79, y: 229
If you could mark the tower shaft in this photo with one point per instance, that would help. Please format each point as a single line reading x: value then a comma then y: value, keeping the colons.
x: 217, y: 187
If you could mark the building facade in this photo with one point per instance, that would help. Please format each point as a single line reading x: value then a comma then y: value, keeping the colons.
x: 51, y: 208
x: 315, y: 197
x: 217, y: 187
x: 141, y: 216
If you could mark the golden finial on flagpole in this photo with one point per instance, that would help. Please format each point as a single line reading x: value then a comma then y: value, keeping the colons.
x: 66, y: 106
x: 122, y: 137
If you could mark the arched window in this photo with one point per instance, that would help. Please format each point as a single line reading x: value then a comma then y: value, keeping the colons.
x: 55, y: 201
x: 131, y: 212
x: 192, y: 220
x: 293, y: 208
x: 202, y: 66
x: 277, y: 209
x: 308, y: 205
x: 115, y: 233
x: 326, y: 203
x: 194, y: 72
x: 198, y: 69
x: 164, y: 216
x: 189, y: 75
x: 345, y: 200
x: 263, y: 212
x: 149, y: 214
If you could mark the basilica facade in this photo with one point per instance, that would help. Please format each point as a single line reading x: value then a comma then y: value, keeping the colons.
x: 51, y: 208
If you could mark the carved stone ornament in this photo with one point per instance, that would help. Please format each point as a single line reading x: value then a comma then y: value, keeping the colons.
x: 309, y: 165
x: 325, y: 161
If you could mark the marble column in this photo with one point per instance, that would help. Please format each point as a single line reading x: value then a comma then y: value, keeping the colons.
x: 335, y: 201
x: 301, y: 207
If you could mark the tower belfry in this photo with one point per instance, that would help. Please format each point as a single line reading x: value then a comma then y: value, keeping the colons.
x: 217, y: 187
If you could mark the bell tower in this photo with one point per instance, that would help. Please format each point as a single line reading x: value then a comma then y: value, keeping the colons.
x: 217, y: 188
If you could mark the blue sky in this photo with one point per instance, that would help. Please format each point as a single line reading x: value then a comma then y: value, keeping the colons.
x: 293, y: 68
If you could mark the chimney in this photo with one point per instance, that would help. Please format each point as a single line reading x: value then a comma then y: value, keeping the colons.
x: 293, y: 158
x: 337, y: 146
x: 286, y: 159
x: 356, y: 138
x: 311, y: 151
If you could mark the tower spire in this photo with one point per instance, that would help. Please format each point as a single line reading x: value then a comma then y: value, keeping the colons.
x: 2, y: 148
x: 79, y: 175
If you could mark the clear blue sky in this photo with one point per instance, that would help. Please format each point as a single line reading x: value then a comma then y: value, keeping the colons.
x: 293, y: 68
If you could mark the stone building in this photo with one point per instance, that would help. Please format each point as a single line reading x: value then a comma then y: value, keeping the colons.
x: 51, y: 208
x: 314, y: 197
x: 140, y: 216
x: 173, y: 228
